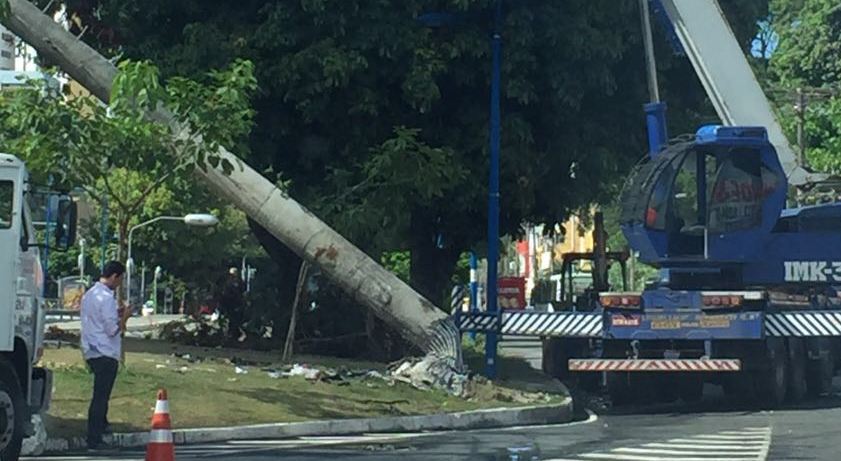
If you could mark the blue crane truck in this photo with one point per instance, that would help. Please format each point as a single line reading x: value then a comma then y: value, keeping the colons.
x: 748, y: 289
x: 747, y: 294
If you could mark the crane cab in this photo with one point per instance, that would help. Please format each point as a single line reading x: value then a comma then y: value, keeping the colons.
x: 705, y: 201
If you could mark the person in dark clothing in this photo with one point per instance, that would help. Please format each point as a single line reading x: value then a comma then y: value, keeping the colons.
x: 231, y: 303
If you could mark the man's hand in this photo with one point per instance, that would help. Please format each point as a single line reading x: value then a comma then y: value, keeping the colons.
x: 125, y: 314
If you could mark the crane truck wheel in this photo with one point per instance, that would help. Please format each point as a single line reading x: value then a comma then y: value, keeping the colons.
x: 666, y: 388
x: 619, y: 388
x: 691, y: 387
x: 11, y: 412
x: 771, y: 383
x: 820, y: 366
x: 554, y: 358
x: 796, y: 369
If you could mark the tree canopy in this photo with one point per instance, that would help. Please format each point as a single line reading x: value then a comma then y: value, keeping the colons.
x: 378, y: 122
x: 127, y: 163
x: 809, y: 57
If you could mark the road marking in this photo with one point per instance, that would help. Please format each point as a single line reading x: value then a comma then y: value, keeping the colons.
x: 683, y: 451
x: 749, y: 444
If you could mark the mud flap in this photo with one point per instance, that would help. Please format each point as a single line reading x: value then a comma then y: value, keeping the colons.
x: 42, y: 386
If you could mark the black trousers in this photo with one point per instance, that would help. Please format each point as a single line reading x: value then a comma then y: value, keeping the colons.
x: 104, y: 373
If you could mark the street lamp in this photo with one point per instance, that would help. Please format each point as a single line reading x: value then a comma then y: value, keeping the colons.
x: 158, y: 271
x: 81, y: 260
x: 192, y: 219
x: 437, y: 20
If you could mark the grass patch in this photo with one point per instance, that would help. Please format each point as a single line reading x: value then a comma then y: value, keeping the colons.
x: 210, y: 393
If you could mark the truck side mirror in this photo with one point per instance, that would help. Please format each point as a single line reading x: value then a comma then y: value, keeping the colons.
x: 65, y: 229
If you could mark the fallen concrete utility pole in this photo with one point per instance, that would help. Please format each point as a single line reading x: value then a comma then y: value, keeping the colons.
x: 392, y: 300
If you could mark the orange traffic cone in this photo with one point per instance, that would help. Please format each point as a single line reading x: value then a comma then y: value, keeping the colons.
x: 160, y: 447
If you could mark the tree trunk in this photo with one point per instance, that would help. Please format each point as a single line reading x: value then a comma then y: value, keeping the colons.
x: 356, y: 273
x: 430, y: 266
x: 288, y: 348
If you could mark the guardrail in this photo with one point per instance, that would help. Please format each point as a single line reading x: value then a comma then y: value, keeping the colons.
x: 61, y: 315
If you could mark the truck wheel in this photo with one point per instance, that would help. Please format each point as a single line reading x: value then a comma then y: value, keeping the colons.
x: 12, y: 413
x: 691, y: 387
x: 665, y: 388
x: 771, y: 384
x: 554, y: 358
x: 819, y: 371
x: 739, y: 386
x: 619, y: 388
x: 796, y: 369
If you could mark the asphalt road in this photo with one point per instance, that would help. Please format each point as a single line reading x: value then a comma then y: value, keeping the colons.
x: 715, y: 429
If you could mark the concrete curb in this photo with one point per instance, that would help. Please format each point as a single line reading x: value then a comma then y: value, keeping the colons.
x: 479, y: 419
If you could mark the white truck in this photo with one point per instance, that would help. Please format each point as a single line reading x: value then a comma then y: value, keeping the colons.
x: 24, y: 388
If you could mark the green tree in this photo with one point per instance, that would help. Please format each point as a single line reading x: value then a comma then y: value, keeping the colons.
x: 352, y: 90
x: 809, y: 57
x: 114, y: 154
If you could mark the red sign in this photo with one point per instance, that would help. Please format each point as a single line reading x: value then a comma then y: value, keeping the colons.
x: 511, y: 292
x: 623, y: 321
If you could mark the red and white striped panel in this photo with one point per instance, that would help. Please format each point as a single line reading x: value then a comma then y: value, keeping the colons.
x: 655, y: 365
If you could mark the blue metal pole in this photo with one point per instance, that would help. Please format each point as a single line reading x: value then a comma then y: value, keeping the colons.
x: 474, y: 289
x: 493, y: 192
x: 655, y: 121
x: 104, y: 231
x: 46, y: 264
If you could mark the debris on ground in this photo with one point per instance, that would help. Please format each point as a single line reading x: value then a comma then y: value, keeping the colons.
x: 194, y: 331
x: 55, y: 333
x: 431, y: 371
x: 240, y: 371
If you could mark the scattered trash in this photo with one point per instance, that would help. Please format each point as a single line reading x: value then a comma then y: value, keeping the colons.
x: 183, y: 370
x: 432, y: 371
x: 57, y: 334
x: 274, y: 374
x: 305, y: 371
x: 159, y: 366
x: 374, y: 374
x: 240, y: 371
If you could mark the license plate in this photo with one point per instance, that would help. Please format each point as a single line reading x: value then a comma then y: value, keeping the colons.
x: 715, y: 322
x: 665, y: 324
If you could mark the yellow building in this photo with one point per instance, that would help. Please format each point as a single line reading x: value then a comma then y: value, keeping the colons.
x: 576, y: 238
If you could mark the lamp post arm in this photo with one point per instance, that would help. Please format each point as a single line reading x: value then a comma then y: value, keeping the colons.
x: 130, y: 234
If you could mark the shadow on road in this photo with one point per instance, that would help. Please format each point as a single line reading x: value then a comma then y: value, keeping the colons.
x: 715, y: 401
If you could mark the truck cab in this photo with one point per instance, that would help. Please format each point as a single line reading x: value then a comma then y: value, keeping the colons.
x: 24, y: 388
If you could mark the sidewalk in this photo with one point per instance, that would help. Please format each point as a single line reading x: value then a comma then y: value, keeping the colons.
x: 558, y: 413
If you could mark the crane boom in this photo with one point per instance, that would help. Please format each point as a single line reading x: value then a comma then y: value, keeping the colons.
x: 727, y: 77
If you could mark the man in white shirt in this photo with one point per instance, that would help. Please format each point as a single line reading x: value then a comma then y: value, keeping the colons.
x: 102, y: 323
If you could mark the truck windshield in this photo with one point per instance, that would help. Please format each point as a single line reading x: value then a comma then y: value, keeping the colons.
x: 6, y: 195
x: 741, y: 187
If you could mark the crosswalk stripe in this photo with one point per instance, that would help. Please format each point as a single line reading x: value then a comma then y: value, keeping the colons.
x: 688, y: 452
x: 744, y: 437
x: 720, y: 443
x: 736, y: 445
x: 623, y: 457
x: 692, y: 446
